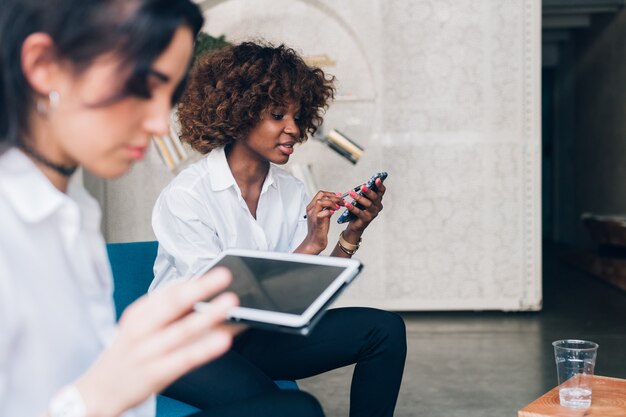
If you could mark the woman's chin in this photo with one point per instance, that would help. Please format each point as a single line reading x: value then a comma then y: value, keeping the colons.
x: 110, y: 172
x: 282, y: 160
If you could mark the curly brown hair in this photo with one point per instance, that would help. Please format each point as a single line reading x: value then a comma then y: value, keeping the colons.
x: 229, y: 90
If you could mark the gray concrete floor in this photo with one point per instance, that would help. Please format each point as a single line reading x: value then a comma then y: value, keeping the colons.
x: 491, y: 364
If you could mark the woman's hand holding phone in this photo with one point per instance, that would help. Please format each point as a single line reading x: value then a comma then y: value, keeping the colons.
x: 365, y: 206
x: 367, y: 202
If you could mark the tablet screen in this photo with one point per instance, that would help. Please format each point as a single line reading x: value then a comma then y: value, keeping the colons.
x: 277, y: 285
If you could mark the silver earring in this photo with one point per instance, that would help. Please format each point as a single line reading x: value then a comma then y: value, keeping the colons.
x: 54, y: 98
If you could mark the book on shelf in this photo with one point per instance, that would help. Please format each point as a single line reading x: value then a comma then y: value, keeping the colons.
x: 170, y: 149
x: 343, y: 145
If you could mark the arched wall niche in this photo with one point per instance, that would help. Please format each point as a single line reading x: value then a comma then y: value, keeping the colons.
x: 324, y: 33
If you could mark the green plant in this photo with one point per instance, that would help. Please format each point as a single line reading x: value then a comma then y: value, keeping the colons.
x: 206, y: 43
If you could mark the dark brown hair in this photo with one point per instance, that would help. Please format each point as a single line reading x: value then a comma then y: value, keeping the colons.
x: 229, y: 89
x: 138, y: 31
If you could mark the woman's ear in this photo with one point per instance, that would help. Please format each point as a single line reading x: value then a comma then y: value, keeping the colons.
x: 39, y: 63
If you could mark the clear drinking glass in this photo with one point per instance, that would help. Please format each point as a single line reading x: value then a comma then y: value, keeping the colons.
x: 575, y: 363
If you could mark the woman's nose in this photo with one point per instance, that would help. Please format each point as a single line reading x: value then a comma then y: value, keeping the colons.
x: 158, y: 121
x: 291, y: 127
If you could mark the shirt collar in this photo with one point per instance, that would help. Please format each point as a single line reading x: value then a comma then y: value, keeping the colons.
x: 26, y: 188
x: 33, y: 196
x: 219, y: 172
x: 221, y: 176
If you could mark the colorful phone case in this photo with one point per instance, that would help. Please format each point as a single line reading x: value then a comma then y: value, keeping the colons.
x: 346, y: 216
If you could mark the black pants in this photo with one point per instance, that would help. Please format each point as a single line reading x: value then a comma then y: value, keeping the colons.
x: 241, y: 382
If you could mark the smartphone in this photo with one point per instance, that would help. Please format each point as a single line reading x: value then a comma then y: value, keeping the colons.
x: 346, y: 216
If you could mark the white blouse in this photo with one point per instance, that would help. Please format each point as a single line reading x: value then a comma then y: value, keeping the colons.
x: 56, y: 306
x: 201, y: 213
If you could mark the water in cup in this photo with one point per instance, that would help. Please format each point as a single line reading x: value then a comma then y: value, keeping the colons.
x: 576, y: 389
x: 575, y: 363
x: 575, y: 397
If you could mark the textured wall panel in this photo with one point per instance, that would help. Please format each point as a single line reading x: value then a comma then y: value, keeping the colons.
x: 445, y: 96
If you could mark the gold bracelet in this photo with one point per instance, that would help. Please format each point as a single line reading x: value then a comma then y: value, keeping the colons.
x: 347, y: 247
x: 346, y: 251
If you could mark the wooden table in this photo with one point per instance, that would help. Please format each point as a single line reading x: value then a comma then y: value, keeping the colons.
x: 608, y: 400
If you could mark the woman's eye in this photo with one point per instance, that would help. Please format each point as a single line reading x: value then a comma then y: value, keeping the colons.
x: 277, y: 116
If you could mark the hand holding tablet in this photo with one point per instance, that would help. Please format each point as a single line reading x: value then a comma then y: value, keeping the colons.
x: 284, y: 291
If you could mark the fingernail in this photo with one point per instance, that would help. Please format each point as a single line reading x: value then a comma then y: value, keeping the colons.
x: 348, y: 205
x: 226, y: 301
x: 345, y: 203
x: 337, y: 206
x: 332, y: 212
x: 220, y: 275
x: 352, y: 194
x: 365, y: 189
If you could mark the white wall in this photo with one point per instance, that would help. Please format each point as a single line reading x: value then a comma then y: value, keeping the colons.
x: 444, y: 95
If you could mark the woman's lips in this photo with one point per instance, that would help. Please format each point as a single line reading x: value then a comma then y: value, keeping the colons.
x: 137, y: 152
x: 286, y: 148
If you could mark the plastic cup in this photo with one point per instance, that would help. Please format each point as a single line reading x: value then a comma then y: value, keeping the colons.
x: 575, y: 362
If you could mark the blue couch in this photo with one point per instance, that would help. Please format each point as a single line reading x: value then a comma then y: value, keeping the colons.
x: 131, y: 264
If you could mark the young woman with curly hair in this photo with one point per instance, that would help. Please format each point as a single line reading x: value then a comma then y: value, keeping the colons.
x: 247, y: 107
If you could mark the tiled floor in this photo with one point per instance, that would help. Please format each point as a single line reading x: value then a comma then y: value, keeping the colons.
x: 492, y: 364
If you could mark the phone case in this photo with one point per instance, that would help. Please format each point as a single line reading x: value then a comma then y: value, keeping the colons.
x: 346, y: 216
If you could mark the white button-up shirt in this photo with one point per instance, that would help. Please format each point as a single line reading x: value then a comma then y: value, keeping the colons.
x: 56, y: 306
x: 201, y: 213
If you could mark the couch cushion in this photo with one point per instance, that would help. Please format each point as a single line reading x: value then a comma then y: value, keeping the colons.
x: 131, y: 264
x: 169, y: 407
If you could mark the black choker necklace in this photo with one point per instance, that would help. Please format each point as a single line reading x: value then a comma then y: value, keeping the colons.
x: 65, y: 170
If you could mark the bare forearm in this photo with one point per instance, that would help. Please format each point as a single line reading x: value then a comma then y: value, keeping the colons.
x: 309, y: 249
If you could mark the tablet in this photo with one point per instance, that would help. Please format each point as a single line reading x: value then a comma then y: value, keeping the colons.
x: 284, y: 291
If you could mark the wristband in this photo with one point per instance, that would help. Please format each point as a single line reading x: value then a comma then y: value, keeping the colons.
x: 347, y: 247
x: 67, y: 403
